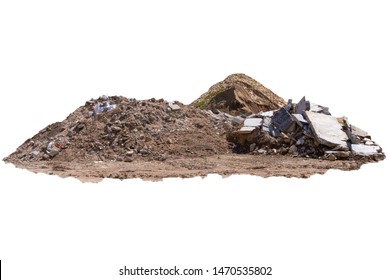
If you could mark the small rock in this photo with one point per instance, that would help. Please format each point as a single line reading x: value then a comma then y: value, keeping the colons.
x: 116, y: 128
x: 293, y: 150
x: 129, y: 159
x: 252, y: 147
x: 35, y: 153
x: 331, y: 157
x: 173, y: 107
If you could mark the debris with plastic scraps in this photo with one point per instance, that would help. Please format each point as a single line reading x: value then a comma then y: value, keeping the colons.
x: 103, y: 107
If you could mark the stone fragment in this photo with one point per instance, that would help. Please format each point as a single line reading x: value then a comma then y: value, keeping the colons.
x: 339, y: 154
x: 299, y: 119
x: 282, y: 120
x: 173, y: 106
x: 254, y: 122
x: 293, y: 150
x: 326, y: 129
x: 364, y: 150
x: 318, y: 109
x: 301, y: 106
x: 359, y: 132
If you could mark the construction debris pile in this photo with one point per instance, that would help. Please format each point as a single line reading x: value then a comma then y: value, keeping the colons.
x: 123, y: 129
x: 304, y: 129
x: 120, y: 137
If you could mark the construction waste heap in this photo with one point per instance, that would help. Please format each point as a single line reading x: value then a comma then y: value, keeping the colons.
x: 236, y: 116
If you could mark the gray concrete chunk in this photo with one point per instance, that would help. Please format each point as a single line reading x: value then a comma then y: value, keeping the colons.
x: 318, y: 108
x: 267, y: 114
x: 282, y: 120
x: 301, y: 106
x: 253, y: 122
x: 359, y: 132
x: 364, y: 150
x: 326, y: 129
x: 173, y: 106
x: 247, y: 129
x: 299, y: 119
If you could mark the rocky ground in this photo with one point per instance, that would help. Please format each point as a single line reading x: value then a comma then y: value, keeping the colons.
x: 119, y: 137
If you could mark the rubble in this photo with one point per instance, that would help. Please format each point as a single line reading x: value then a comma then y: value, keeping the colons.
x: 304, y: 129
x: 119, y: 129
x: 237, y: 115
x: 326, y: 129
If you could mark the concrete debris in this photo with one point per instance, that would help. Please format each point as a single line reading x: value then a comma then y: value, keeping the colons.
x: 364, y: 150
x: 339, y: 154
x: 299, y: 119
x: 254, y: 122
x: 173, y: 106
x: 327, y: 130
x: 302, y: 106
x: 359, y: 132
x: 246, y: 129
x: 318, y: 109
x: 267, y: 114
x: 283, y: 121
x: 304, y: 129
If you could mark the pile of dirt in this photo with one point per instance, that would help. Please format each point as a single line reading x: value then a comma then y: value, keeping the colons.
x: 122, y: 129
x: 119, y: 137
x: 239, y: 94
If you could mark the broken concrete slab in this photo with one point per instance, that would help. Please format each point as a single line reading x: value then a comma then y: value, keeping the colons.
x: 299, y: 119
x: 247, y: 129
x: 267, y: 123
x: 326, y: 129
x: 283, y: 120
x: 301, y: 106
x: 318, y: 108
x: 339, y: 154
x: 364, y: 150
x: 359, y: 132
x: 289, y: 105
x: 253, y: 122
x: 268, y: 114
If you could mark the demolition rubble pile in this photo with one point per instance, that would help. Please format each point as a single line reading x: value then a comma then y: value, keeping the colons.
x: 120, y: 137
x: 304, y: 129
x: 123, y: 129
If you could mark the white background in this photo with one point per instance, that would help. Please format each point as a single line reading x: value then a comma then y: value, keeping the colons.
x: 56, y: 55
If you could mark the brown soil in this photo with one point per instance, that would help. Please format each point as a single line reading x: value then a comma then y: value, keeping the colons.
x: 239, y: 94
x: 187, y: 167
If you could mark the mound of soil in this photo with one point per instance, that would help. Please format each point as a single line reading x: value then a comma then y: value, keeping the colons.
x: 119, y: 137
x: 239, y: 94
x: 125, y: 130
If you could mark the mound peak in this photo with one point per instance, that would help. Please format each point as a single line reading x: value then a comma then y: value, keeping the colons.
x: 239, y: 94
